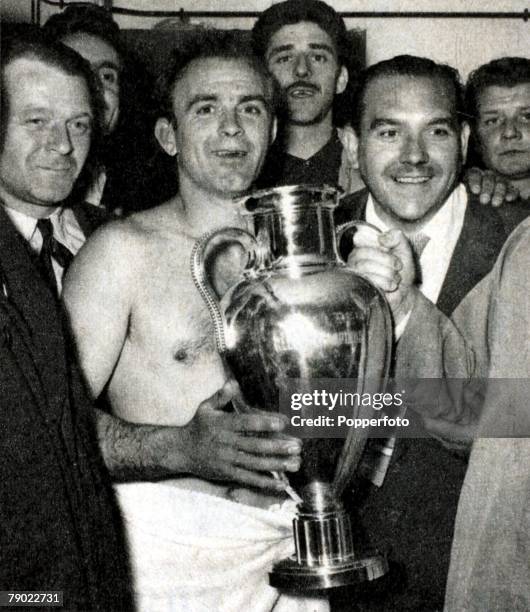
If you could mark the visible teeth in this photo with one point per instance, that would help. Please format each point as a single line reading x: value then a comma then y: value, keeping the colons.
x: 230, y: 153
x: 302, y: 93
x: 412, y: 179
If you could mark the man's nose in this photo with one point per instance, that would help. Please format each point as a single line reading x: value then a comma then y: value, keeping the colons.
x: 230, y: 123
x: 302, y: 67
x: 414, y: 151
x: 59, y: 139
x: 510, y: 129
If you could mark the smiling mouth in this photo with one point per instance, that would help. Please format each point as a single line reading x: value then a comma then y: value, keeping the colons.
x: 412, y: 180
x: 302, y: 92
x: 230, y: 154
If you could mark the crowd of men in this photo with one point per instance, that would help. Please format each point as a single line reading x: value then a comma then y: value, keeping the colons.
x: 127, y: 481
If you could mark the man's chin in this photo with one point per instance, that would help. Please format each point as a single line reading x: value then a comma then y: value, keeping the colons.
x: 303, y: 121
x: 513, y: 174
x: 306, y: 116
x: 236, y: 187
x: 50, y: 197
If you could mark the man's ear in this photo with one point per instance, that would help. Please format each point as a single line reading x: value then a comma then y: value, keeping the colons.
x: 274, y: 130
x: 464, y: 139
x: 342, y: 80
x: 165, y: 134
x: 355, y: 150
x: 350, y: 143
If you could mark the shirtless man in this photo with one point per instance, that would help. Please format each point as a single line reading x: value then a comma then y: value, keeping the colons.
x: 145, y: 336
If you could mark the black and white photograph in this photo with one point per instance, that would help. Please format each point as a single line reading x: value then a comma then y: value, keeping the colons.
x: 265, y: 305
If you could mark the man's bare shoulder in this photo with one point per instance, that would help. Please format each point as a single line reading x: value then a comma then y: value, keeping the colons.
x: 128, y: 237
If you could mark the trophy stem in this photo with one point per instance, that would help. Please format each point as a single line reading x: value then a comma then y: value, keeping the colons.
x: 324, y: 551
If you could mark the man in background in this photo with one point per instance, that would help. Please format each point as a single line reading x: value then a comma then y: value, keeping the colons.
x: 305, y: 47
x: 121, y: 179
x: 498, y: 100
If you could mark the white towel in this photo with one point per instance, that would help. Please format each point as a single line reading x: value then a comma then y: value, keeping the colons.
x: 194, y: 552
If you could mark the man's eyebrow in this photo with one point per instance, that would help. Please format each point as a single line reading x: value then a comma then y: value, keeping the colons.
x: 322, y: 47
x: 382, y: 121
x: 254, y: 98
x: 258, y: 98
x: 108, y: 64
x: 280, y: 49
x: 446, y: 120
x: 314, y: 46
x: 201, y: 98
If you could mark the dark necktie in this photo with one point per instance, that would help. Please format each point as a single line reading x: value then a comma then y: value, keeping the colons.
x: 418, y: 242
x: 51, y: 249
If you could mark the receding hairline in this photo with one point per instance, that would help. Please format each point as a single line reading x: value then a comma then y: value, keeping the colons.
x: 243, y: 60
x: 434, y: 80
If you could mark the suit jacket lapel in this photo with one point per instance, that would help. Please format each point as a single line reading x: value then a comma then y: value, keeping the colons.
x: 35, y: 305
x: 476, y: 250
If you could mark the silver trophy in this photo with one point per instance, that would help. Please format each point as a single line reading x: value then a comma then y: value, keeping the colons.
x: 297, y: 312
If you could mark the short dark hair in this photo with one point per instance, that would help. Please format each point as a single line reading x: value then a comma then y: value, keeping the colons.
x: 209, y: 44
x: 88, y: 19
x: 409, y: 66
x: 35, y: 45
x: 503, y: 72
x: 294, y: 11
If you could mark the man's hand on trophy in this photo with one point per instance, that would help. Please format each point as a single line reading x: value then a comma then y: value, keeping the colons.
x: 386, y: 260
x: 240, y: 448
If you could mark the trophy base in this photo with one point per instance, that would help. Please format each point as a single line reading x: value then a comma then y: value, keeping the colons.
x: 289, y: 575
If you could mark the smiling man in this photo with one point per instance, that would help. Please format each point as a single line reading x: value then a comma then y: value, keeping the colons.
x: 55, y: 493
x: 412, y: 144
x: 498, y: 99
x: 145, y: 336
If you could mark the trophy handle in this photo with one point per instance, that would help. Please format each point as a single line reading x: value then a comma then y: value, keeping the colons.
x: 344, y: 227
x: 203, y: 248
x: 354, y: 445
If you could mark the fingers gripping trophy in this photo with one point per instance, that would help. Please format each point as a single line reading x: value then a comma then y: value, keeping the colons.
x: 298, y: 313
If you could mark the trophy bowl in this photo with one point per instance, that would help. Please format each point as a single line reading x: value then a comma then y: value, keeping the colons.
x: 298, y: 313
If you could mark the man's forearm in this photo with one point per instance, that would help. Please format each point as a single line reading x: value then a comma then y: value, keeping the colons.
x: 134, y: 451
x: 214, y: 445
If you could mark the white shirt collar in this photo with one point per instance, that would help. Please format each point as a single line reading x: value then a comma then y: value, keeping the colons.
x: 27, y: 226
x: 443, y: 230
x: 452, y: 210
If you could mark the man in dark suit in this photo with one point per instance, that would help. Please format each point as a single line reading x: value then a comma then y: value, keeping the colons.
x: 60, y: 526
x: 412, y: 142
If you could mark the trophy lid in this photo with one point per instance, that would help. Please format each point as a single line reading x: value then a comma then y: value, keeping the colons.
x: 289, y: 196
